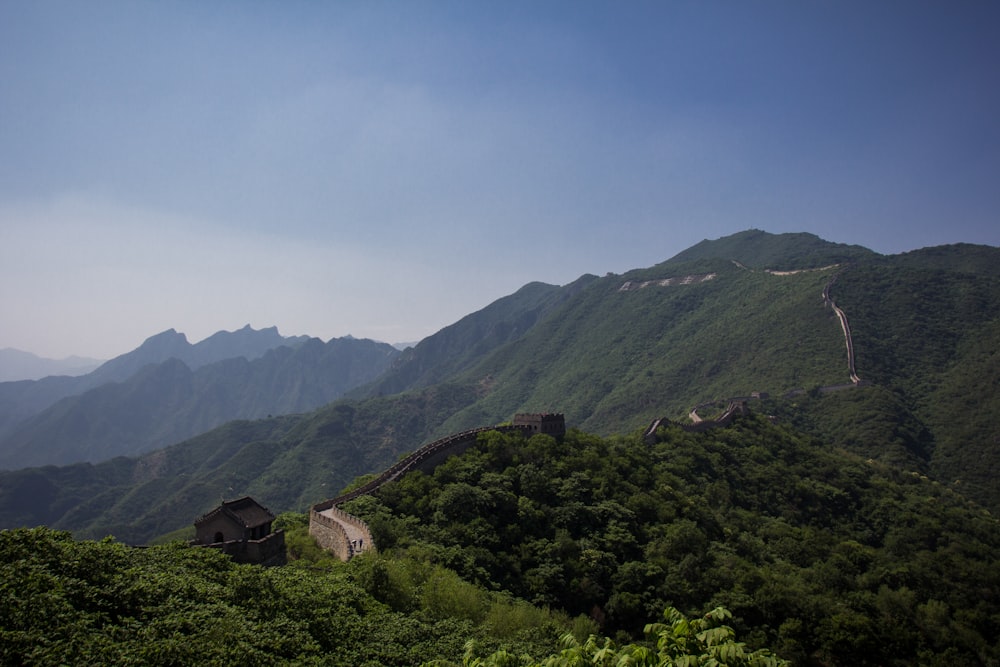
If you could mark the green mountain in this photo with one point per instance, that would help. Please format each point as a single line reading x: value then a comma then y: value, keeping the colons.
x: 632, y: 348
x: 614, y: 353
x: 168, y: 402
x: 785, y: 542
x: 292, y: 462
x: 463, y: 344
x: 778, y: 252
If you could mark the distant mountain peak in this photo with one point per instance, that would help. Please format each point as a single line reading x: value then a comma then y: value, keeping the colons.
x: 758, y: 249
x: 20, y: 365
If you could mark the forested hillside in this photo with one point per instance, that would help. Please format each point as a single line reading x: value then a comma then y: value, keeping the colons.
x: 289, y: 462
x: 926, y: 326
x: 840, y: 523
x: 810, y: 552
x: 463, y: 344
x: 87, y: 603
x: 611, y: 357
x: 819, y: 554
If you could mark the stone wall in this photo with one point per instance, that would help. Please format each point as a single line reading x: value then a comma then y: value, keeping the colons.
x: 330, y: 535
x: 268, y: 550
x: 736, y: 407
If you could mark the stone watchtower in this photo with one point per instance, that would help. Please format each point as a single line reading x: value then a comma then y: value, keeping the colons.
x: 549, y: 423
x: 242, y: 529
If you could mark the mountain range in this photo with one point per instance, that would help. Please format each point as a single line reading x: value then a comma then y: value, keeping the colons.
x: 167, y: 390
x: 20, y: 365
x: 744, y: 316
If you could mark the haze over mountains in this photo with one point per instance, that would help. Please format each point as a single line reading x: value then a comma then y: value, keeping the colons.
x: 736, y: 316
x: 168, y: 389
x: 20, y: 365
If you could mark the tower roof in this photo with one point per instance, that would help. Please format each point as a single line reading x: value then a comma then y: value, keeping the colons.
x: 246, y: 511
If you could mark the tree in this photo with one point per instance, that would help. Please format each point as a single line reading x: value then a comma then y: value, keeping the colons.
x: 679, y: 642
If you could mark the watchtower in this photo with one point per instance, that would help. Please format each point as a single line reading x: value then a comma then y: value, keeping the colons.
x: 242, y: 529
x: 549, y: 423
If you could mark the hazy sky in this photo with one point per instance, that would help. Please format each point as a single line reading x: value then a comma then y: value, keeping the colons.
x: 382, y: 169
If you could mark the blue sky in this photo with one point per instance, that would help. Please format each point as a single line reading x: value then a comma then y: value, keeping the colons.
x: 381, y: 169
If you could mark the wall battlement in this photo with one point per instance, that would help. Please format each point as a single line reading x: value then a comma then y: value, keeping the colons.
x: 341, y: 533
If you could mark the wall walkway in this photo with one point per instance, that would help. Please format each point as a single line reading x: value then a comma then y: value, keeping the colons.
x: 345, y: 534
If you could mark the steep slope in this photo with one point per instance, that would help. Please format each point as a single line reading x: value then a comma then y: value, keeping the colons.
x: 630, y: 348
x: 169, y: 402
x: 927, y: 327
x: 458, y: 346
x: 829, y: 558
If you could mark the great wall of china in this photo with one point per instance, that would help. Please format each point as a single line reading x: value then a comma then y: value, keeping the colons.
x: 737, y: 404
x: 345, y: 535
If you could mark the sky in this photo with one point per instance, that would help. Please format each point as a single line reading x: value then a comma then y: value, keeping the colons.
x: 382, y: 169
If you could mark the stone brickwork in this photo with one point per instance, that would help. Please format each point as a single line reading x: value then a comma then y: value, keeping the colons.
x: 549, y: 423
x: 269, y: 550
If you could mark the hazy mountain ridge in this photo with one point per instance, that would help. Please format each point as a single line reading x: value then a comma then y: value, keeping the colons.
x: 610, y: 360
x: 169, y: 402
x: 16, y: 365
x: 23, y: 399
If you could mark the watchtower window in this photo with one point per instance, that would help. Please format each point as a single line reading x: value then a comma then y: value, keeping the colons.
x: 218, y: 537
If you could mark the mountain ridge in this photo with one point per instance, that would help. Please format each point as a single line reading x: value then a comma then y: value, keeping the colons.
x: 613, y: 361
x: 168, y: 402
x: 16, y: 365
x: 25, y: 398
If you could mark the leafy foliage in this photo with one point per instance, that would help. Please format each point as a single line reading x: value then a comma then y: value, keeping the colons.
x: 608, y: 358
x: 820, y: 555
x: 679, y: 642
x: 68, y: 602
x: 927, y: 327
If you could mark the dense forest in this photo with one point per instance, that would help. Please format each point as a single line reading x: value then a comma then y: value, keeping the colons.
x: 536, y: 551
x: 823, y: 556
x: 64, y: 602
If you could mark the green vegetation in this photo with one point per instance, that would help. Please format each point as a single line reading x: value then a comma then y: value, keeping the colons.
x: 64, y: 602
x: 678, y: 642
x: 784, y: 252
x: 610, y: 359
x: 854, y: 530
x: 287, y: 462
x: 463, y: 344
x: 927, y: 328
x: 822, y: 556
